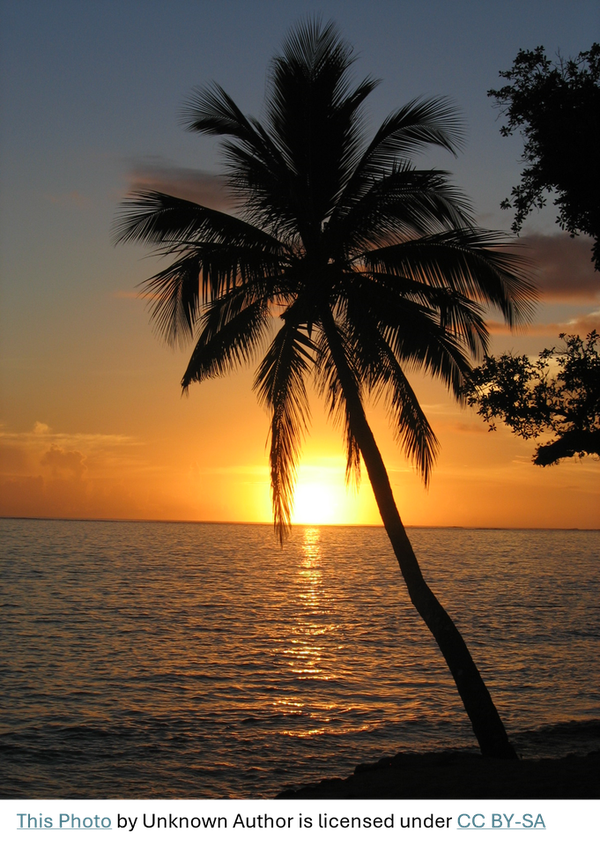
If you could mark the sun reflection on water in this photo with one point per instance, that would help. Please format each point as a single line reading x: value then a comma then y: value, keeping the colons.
x: 310, y: 631
x: 305, y: 652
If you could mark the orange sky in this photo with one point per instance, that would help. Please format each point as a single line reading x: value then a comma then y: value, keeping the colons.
x: 111, y: 437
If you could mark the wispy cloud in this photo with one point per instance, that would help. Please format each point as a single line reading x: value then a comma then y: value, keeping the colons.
x: 41, y: 435
x: 156, y: 174
x: 581, y: 325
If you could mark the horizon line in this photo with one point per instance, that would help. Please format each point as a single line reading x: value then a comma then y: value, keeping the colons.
x: 298, y: 525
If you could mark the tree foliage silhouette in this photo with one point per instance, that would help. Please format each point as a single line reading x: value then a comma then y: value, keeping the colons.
x: 556, y: 106
x: 364, y: 264
x: 558, y: 394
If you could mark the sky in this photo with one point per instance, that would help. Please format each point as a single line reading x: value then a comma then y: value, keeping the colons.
x: 92, y: 421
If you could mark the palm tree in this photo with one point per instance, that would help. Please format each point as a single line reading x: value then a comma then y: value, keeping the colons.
x: 364, y: 265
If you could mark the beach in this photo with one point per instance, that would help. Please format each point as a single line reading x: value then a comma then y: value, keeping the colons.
x: 456, y: 775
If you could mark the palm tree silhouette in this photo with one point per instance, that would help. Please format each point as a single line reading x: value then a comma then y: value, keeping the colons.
x: 365, y: 265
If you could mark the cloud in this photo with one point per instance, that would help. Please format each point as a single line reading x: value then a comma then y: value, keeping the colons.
x: 563, y: 269
x: 53, y: 474
x: 71, y: 462
x: 201, y: 187
x: 469, y: 428
x: 41, y: 434
x: 581, y: 325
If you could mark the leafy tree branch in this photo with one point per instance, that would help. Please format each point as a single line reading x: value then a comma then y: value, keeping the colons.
x: 556, y: 107
x: 559, y: 394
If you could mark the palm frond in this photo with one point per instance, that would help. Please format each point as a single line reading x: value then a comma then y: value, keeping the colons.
x: 382, y: 374
x: 431, y: 348
x: 328, y: 384
x: 211, y: 111
x: 258, y: 174
x: 414, y: 331
x: 420, y: 123
x: 265, y: 190
x: 216, y: 252
x: 461, y: 317
x: 281, y: 385
x: 174, y: 297
x: 405, y: 204
x: 231, y: 329
x: 174, y: 224
x: 314, y: 116
x: 178, y: 293
x: 411, y: 428
x: 470, y: 261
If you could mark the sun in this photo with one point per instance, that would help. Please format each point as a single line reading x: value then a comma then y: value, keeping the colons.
x: 322, y: 497
x: 316, y: 503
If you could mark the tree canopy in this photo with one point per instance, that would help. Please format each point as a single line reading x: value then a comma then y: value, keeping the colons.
x: 559, y: 394
x: 556, y: 107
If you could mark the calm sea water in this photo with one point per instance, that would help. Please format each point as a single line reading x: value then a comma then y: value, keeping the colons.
x: 195, y: 660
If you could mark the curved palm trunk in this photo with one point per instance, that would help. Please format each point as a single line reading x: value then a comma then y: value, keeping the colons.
x: 486, y: 722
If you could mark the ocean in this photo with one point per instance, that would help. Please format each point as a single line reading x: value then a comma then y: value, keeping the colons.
x: 180, y: 660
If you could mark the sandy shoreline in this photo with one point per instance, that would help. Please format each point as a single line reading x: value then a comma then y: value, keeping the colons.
x: 456, y: 775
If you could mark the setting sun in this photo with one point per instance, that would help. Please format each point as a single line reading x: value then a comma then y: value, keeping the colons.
x: 322, y: 497
x: 317, y: 503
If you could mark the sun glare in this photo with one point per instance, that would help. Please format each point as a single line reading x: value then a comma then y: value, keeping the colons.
x: 322, y: 498
x: 315, y: 504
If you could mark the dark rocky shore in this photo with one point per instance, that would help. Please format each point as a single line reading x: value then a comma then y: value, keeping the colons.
x: 456, y: 775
